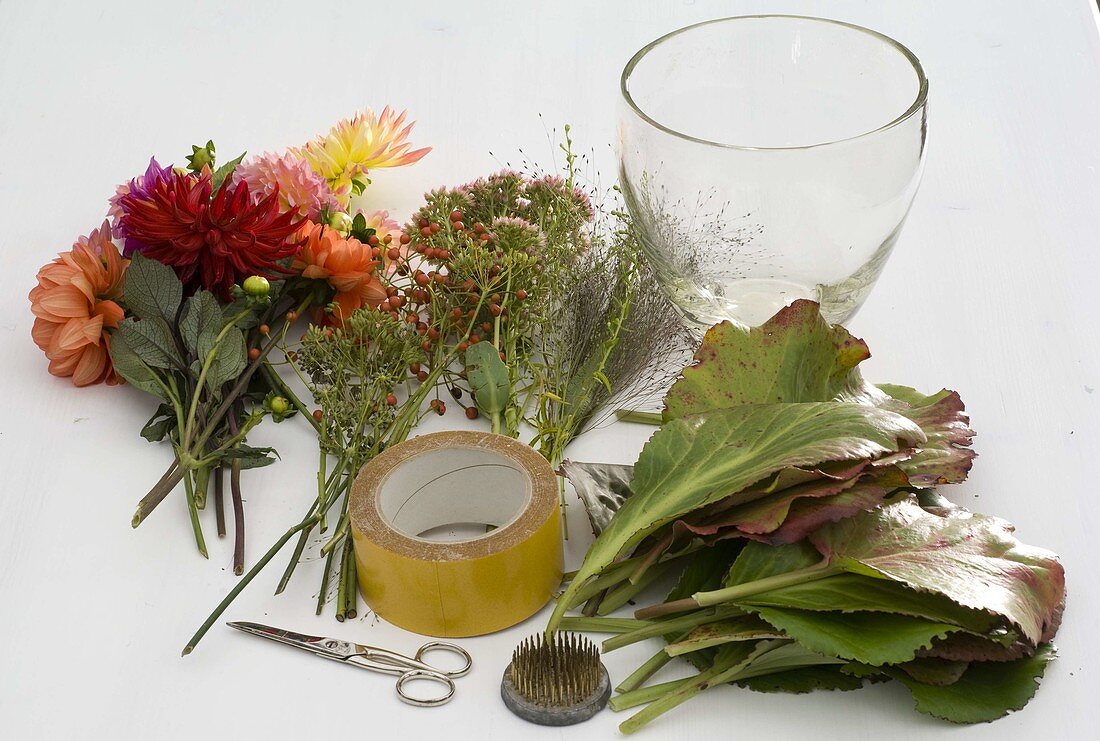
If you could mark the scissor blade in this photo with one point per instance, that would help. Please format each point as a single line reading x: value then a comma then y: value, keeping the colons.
x: 314, y: 644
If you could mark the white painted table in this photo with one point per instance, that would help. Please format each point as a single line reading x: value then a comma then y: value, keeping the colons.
x: 992, y: 291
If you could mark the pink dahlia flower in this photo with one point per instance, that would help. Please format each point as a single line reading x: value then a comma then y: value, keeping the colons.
x: 300, y: 188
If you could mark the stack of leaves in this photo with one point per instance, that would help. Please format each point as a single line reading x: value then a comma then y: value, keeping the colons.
x: 784, y: 485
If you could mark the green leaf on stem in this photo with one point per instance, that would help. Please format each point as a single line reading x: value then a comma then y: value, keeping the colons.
x: 151, y: 289
x: 250, y: 457
x: 224, y: 172
x: 200, y: 323
x: 488, y: 377
x: 152, y: 341
x: 131, y: 367
x: 163, y: 420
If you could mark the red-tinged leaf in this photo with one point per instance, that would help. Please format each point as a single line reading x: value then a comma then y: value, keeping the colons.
x: 808, y: 515
x: 795, y: 356
x: 946, y: 457
x: 973, y: 559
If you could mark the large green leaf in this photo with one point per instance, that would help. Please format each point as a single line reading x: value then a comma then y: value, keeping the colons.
x: 985, y: 692
x: 972, y: 559
x: 488, y: 377
x: 201, y: 322
x: 695, y: 461
x: 131, y: 367
x: 796, y: 356
x: 868, y: 637
x: 151, y: 340
x: 151, y: 289
x: 204, y: 328
x: 759, y: 561
x: 856, y: 592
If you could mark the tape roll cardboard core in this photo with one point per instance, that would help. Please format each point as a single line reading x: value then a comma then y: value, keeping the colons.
x: 466, y: 587
x: 453, y: 486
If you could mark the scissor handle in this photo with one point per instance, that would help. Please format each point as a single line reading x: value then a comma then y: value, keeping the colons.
x: 432, y: 676
x: 468, y: 662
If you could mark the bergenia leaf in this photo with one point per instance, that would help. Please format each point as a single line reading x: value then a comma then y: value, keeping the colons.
x: 695, y: 461
x: 946, y: 457
x: 939, y: 672
x: 602, y: 487
x: 868, y: 637
x: 856, y: 592
x: 796, y: 356
x: 985, y: 692
x: 804, y: 679
x: 973, y: 559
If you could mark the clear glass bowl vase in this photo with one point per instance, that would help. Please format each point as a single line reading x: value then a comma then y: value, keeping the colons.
x: 770, y: 158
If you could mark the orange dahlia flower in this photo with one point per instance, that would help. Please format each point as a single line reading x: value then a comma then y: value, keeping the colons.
x: 75, y: 304
x: 345, y: 263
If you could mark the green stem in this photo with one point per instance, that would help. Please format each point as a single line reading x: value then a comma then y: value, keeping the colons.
x: 611, y: 576
x: 207, y: 363
x: 654, y: 664
x: 673, y: 625
x: 648, y: 694
x: 244, y: 582
x: 353, y: 584
x: 627, y: 590
x: 600, y: 624
x: 642, y: 418
x: 193, y: 511
x: 667, y: 702
x: 276, y: 381
x: 821, y: 570
x: 322, y: 596
x: 160, y: 490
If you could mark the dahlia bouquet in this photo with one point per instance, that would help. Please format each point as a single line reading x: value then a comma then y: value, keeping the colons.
x: 197, y: 275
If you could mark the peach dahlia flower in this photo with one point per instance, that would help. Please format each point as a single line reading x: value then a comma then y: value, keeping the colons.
x: 345, y: 263
x: 75, y: 306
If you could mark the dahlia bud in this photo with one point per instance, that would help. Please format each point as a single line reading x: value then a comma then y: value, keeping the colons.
x: 201, y: 157
x: 341, y: 222
x: 256, y: 286
x: 280, y: 405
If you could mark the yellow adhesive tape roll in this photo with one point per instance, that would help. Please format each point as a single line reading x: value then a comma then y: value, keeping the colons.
x: 465, y: 587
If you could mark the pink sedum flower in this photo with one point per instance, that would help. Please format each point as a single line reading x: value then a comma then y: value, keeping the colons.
x: 300, y: 188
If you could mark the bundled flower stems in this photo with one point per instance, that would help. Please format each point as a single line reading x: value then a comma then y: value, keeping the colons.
x: 794, y: 498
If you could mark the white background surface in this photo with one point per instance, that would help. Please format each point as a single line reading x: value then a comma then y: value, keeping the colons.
x: 992, y: 291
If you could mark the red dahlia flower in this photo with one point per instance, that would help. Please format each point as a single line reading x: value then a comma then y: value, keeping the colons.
x: 210, y: 243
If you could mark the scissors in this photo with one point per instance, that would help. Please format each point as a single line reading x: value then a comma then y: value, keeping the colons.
x: 406, y: 668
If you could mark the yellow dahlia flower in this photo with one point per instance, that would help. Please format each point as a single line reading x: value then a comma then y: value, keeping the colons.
x: 353, y: 146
